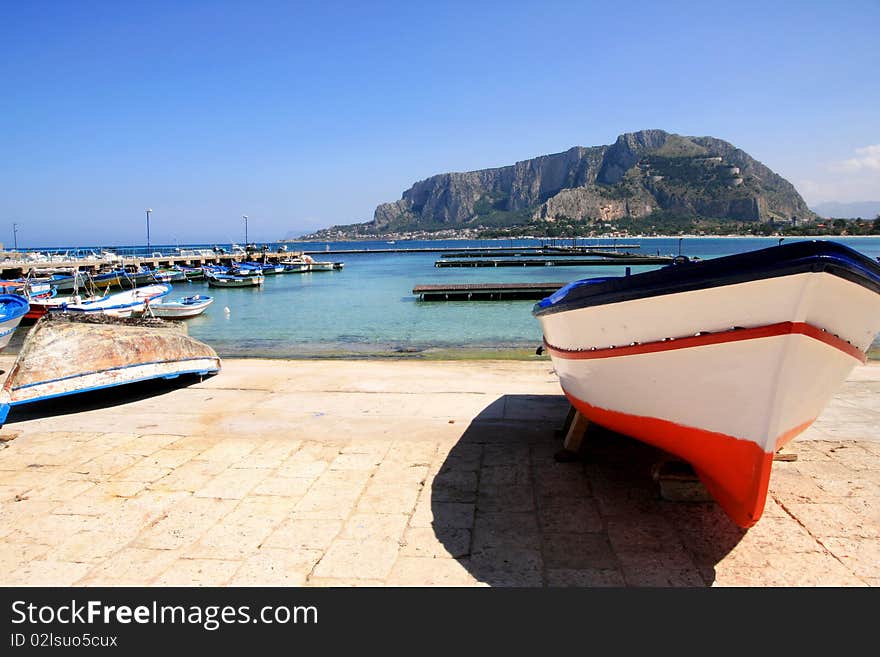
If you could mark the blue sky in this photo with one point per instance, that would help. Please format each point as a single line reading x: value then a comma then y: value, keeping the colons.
x: 303, y: 115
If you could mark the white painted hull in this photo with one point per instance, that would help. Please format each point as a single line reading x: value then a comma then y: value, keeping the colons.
x: 121, y: 304
x: 7, y: 329
x: 821, y: 299
x: 172, y: 310
x: 755, y: 389
x: 242, y: 281
x: 724, y: 400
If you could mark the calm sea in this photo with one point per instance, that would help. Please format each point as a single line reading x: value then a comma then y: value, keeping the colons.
x: 368, y: 309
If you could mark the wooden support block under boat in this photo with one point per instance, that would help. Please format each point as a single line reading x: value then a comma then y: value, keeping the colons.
x: 67, y: 354
x: 574, y: 429
x: 678, y: 482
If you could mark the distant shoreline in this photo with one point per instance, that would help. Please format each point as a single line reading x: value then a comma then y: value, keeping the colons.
x: 566, y: 239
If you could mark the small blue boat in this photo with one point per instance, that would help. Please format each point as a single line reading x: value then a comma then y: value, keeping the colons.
x: 13, y: 308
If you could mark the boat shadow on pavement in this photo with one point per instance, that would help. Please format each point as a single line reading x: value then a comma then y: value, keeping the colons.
x: 513, y: 516
x: 98, y: 399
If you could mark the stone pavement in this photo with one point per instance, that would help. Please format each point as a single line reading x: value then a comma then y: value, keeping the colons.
x: 405, y: 473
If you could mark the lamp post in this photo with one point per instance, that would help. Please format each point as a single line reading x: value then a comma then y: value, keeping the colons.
x: 244, y: 216
x: 15, y: 235
x: 148, y: 211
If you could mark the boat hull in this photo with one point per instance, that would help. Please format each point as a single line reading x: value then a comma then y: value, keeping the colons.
x: 722, y: 376
x: 120, y: 304
x: 181, y: 309
x: 726, y: 408
x: 14, y: 309
x: 65, y: 355
x: 236, y: 281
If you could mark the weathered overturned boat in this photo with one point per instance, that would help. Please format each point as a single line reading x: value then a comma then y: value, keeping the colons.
x: 720, y: 362
x: 68, y: 354
x: 13, y: 308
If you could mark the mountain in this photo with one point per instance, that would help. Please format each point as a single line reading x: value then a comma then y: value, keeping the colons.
x: 640, y: 176
x: 833, y: 209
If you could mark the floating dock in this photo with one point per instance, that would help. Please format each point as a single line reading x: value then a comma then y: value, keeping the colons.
x: 486, y: 249
x: 522, y: 253
x: 566, y: 261
x: 485, y: 291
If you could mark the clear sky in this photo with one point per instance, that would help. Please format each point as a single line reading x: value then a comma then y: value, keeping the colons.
x: 307, y: 114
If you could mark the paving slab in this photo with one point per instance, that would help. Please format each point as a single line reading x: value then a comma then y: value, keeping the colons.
x: 406, y: 473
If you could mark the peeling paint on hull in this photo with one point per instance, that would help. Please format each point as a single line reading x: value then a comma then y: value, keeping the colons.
x: 72, y: 354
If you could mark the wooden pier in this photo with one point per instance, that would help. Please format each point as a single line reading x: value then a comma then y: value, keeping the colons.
x: 485, y: 291
x: 555, y: 262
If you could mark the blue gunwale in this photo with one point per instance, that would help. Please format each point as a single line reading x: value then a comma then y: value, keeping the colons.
x: 5, y: 408
x: 13, y: 306
x: 112, y: 369
x: 785, y: 260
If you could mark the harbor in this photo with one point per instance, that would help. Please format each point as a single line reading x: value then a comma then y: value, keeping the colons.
x: 410, y: 457
x: 356, y: 473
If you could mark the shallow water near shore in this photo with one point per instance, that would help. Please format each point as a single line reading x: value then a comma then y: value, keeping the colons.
x: 368, y: 310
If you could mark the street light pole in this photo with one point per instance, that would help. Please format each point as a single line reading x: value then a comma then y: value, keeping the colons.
x: 148, y: 211
x: 244, y: 216
x: 15, y: 235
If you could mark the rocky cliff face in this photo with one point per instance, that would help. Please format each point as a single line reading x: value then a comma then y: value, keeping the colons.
x: 640, y: 173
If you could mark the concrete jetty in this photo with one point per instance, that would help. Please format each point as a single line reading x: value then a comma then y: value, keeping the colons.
x: 14, y: 268
x: 400, y: 473
x: 555, y: 261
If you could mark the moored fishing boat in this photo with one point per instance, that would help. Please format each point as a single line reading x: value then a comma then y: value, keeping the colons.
x: 169, y: 275
x: 265, y: 268
x: 295, y: 266
x: 234, y: 280
x: 122, y: 278
x: 180, y: 308
x: 193, y: 273
x: 325, y: 266
x: 13, y: 308
x: 68, y: 354
x: 720, y: 362
x: 315, y: 265
x: 120, y: 304
x: 37, y: 294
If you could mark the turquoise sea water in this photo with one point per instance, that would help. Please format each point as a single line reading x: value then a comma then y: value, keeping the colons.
x: 368, y: 309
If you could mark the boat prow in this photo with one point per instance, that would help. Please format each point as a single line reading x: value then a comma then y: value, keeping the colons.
x: 13, y: 308
x: 720, y: 362
x: 68, y: 354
